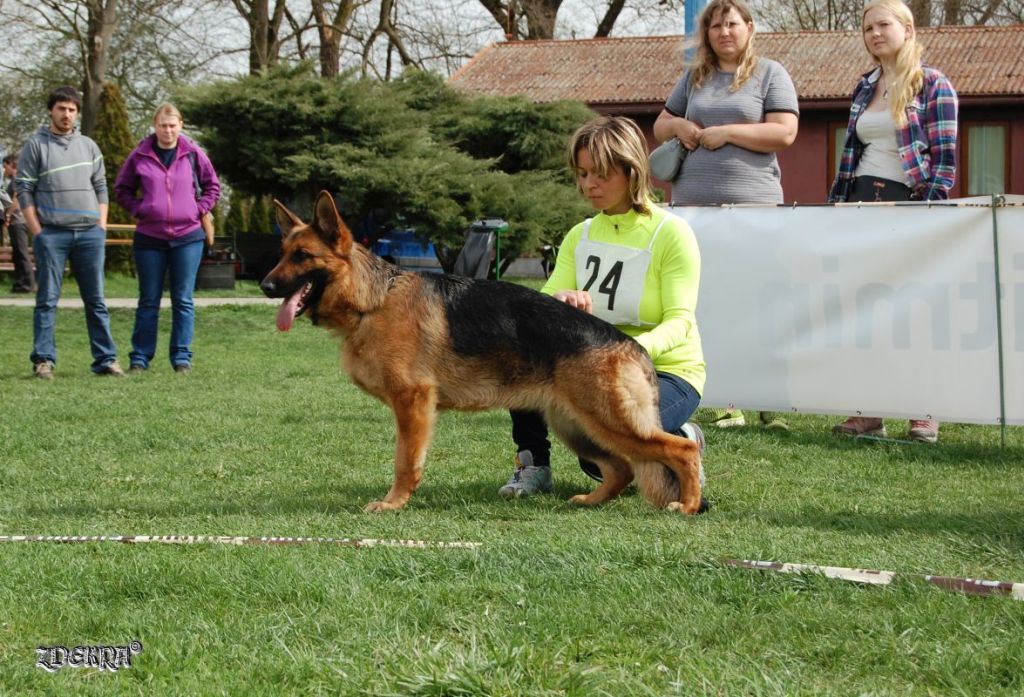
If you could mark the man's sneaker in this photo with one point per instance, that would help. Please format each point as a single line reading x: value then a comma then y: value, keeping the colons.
x: 527, y: 479
x: 721, y: 418
x: 43, y: 370
x: 111, y: 369
x: 860, y: 426
x: 135, y: 368
x: 924, y: 431
x: 183, y: 368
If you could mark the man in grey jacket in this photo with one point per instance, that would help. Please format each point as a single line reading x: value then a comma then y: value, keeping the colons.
x: 62, y: 189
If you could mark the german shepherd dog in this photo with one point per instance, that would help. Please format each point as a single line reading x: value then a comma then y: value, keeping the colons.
x: 424, y: 342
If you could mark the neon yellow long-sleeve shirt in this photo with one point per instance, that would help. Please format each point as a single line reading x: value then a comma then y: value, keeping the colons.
x: 669, y: 299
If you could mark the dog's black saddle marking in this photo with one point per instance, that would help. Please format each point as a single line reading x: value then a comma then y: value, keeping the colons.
x: 494, y: 318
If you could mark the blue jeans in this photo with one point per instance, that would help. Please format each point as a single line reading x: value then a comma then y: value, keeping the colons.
x: 677, y: 400
x: 86, y: 249
x: 152, y: 265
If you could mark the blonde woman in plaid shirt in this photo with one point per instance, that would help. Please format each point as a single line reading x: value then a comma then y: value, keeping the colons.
x: 900, y: 142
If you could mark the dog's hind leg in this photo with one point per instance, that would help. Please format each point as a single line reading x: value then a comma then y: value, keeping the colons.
x: 670, y: 475
x: 616, y: 474
x: 415, y: 410
x: 621, y: 417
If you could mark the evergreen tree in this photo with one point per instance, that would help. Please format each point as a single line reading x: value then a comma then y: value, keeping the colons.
x: 410, y: 153
x: 260, y: 215
x: 237, y: 219
x: 114, y: 138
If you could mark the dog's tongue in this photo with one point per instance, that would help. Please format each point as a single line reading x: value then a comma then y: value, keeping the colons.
x: 286, y: 315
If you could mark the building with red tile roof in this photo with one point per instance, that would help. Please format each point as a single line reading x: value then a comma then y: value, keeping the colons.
x: 634, y: 76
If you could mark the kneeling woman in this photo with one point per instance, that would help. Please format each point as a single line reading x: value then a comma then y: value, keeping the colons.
x: 167, y: 184
x: 634, y: 265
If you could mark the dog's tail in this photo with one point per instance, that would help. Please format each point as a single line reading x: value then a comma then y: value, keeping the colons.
x: 657, y: 482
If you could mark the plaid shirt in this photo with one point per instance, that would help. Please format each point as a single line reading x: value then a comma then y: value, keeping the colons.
x: 927, y: 143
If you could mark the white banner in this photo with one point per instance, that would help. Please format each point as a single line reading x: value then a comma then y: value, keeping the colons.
x: 878, y: 309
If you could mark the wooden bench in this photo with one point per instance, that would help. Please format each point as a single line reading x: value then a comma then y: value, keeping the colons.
x: 7, y: 258
x: 7, y: 254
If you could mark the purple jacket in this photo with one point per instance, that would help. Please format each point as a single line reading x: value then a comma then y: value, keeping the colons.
x: 163, y: 201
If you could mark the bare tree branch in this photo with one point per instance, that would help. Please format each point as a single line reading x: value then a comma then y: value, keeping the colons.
x: 604, y: 28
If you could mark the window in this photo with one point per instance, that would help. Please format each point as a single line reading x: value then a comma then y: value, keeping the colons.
x: 984, y: 171
x: 836, y: 140
x: 838, y: 143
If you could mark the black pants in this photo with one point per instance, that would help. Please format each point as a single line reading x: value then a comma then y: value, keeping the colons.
x: 879, y: 189
x: 24, y: 276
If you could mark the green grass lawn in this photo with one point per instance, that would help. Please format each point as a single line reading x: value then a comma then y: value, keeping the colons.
x: 266, y: 437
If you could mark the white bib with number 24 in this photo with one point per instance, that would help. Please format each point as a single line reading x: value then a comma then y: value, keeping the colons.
x: 614, y: 276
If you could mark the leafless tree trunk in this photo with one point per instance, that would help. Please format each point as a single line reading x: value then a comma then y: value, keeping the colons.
x: 102, y: 20
x: 604, y: 28
x: 386, y: 27
x: 540, y: 17
x: 922, y: 11
x: 89, y: 25
x: 264, y: 31
x: 331, y: 26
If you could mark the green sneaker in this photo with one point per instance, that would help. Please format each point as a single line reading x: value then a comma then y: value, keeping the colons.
x: 720, y: 418
x: 527, y: 479
x: 772, y: 421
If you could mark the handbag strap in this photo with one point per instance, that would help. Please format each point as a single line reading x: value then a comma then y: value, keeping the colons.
x: 688, y: 76
x: 195, y: 174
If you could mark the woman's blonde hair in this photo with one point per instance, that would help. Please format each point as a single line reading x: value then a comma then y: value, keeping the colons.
x: 616, y: 142
x: 909, y: 76
x: 167, y: 109
x: 706, y: 62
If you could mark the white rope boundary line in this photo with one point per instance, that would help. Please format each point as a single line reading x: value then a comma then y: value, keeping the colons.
x: 229, y: 540
x: 971, y: 586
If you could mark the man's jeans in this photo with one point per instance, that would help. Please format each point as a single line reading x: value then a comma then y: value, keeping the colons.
x: 152, y: 265
x: 86, y: 250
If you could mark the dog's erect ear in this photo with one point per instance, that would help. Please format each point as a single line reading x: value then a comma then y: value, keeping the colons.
x: 286, y: 220
x: 327, y: 221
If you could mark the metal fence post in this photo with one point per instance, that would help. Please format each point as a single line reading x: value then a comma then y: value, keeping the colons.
x: 997, y: 201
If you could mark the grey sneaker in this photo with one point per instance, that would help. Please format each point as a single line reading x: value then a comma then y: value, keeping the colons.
x: 43, y: 370
x: 527, y: 479
x: 696, y: 434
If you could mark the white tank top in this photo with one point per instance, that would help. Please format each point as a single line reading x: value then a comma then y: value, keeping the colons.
x: 614, y: 275
x: 881, y: 157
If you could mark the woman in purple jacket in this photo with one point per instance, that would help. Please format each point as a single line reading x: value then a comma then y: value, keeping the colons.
x: 167, y: 184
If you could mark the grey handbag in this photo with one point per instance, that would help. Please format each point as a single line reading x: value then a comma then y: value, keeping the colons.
x: 667, y: 159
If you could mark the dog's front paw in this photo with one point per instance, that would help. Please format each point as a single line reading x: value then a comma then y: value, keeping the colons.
x: 582, y: 500
x: 380, y: 507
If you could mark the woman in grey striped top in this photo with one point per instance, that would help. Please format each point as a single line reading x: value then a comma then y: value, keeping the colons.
x: 732, y: 111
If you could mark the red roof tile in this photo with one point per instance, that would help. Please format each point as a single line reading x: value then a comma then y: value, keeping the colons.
x: 979, y: 60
